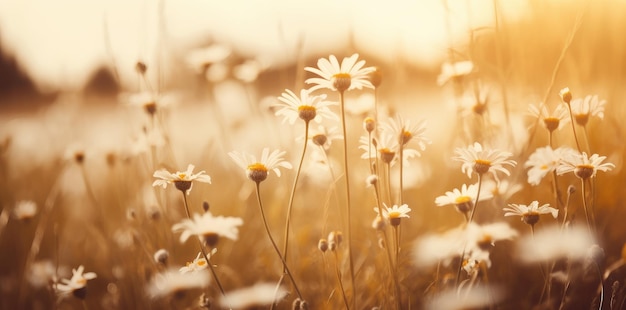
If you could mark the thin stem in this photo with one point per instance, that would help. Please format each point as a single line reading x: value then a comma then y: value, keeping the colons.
x: 471, y: 217
x: 590, y: 221
x: 269, y: 234
x: 348, y: 202
x: 343, y: 291
x: 571, y: 117
x: 401, y: 159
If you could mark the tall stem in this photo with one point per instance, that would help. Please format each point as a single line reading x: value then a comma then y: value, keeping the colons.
x: 343, y: 291
x: 590, y: 218
x: 347, y: 178
x: 469, y: 220
x: 269, y: 234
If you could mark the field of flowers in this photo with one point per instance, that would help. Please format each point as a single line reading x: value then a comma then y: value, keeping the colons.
x: 339, y: 182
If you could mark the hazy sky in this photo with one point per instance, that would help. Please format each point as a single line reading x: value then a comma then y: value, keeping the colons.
x: 59, y: 43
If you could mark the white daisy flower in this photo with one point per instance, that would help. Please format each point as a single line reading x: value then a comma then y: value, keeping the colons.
x: 305, y: 107
x: 257, y: 170
x: 463, y: 199
x: 208, y: 228
x: 406, y: 132
x: 25, y: 210
x: 552, y: 121
x: 349, y: 75
x: 172, y: 282
x: 530, y: 213
x: 584, y: 108
x: 479, y: 160
x: 542, y: 161
x: 258, y: 295
x: 182, y: 180
x: 502, y: 190
x: 554, y: 243
x: 76, y: 286
x: 324, y: 136
x: 583, y: 166
x: 483, y: 237
x: 454, y: 71
x: 395, y: 213
x: 198, y: 264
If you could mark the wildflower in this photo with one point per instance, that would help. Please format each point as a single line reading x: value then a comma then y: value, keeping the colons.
x: 385, y: 145
x: 530, y: 213
x: 543, y: 161
x: 566, y: 95
x: 258, y: 295
x: 582, y: 109
x: 198, y: 264
x: 406, y: 132
x: 306, y: 107
x: 322, y: 245
x: 369, y: 124
x: 395, y: 213
x: 174, y: 283
x: 347, y: 76
x: 583, y: 166
x: 554, y: 121
x: 335, y: 238
x: 479, y: 160
x: 76, y: 286
x: 463, y: 199
x: 454, y: 71
x: 256, y: 170
x: 482, y: 237
x: 25, y: 210
x: 323, y: 136
x: 182, y: 180
x: 502, y: 190
x: 555, y: 243
x: 209, y: 228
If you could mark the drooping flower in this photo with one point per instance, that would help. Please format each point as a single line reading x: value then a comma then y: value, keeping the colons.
x: 479, y: 160
x: 584, y: 108
x: 395, y: 213
x: 198, y: 264
x: 530, y: 213
x: 583, y: 166
x: 174, y: 283
x: 305, y: 107
x: 463, y: 199
x: 552, y: 121
x: 349, y: 75
x: 542, y: 161
x: 76, y: 286
x: 182, y: 180
x: 258, y: 295
x: 209, y: 228
x: 257, y: 170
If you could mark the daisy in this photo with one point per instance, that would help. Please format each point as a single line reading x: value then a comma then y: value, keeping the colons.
x: 502, y: 190
x: 530, y: 213
x: 454, y: 71
x: 174, y: 283
x: 583, y: 166
x: 582, y: 109
x: 198, y: 264
x: 324, y: 136
x: 566, y: 95
x: 552, y: 121
x: 305, y: 107
x: 25, y: 210
x: 209, y: 228
x: 347, y: 76
x: 543, y: 161
x: 258, y: 295
x: 407, y: 132
x: 479, y: 160
x: 463, y: 199
x: 395, y: 213
x: 182, y: 180
x: 76, y: 286
x: 483, y: 237
x: 555, y: 243
x: 385, y: 145
x: 257, y: 170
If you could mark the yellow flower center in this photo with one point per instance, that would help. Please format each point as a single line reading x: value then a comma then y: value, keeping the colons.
x: 406, y: 136
x: 257, y: 167
x: 543, y: 167
x: 462, y: 199
x: 394, y: 214
x: 81, y: 281
x: 201, y: 263
x: 342, y: 75
x: 182, y: 176
x: 482, y: 166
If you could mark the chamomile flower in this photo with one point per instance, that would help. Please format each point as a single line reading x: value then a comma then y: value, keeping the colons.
x: 463, y: 199
x: 305, y: 107
x: 257, y: 170
x: 198, y: 264
x: 174, y: 283
x: 209, y: 228
x: 530, y: 213
x: 349, y: 75
x: 406, y: 132
x: 583, y: 166
x: 258, y: 295
x: 483, y: 237
x: 542, y: 161
x: 182, y: 180
x: 552, y: 121
x: 385, y: 145
x: 479, y: 160
x: 395, y: 213
x: 584, y: 108
x: 324, y: 136
x: 76, y: 286
x: 454, y: 71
